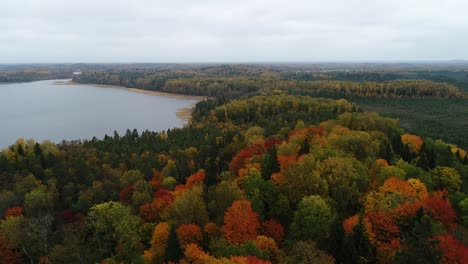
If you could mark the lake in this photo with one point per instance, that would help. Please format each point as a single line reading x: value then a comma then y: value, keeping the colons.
x: 44, y: 110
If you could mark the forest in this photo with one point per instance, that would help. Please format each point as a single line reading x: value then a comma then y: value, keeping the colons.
x: 429, y: 99
x: 275, y: 177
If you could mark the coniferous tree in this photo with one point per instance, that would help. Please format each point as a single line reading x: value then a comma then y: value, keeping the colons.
x: 357, y: 246
x: 305, y: 148
x: 420, y: 246
x: 270, y: 163
x: 336, y: 242
x: 173, y: 251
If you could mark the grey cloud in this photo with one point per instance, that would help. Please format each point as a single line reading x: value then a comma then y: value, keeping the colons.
x: 244, y: 30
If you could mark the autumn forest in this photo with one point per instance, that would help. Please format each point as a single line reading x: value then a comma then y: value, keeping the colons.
x: 279, y: 164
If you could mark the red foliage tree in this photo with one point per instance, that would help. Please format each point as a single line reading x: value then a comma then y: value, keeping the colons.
x: 271, y: 142
x: 149, y: 212
x: 14, y: 211
x: 383, y: 226
x: 273, y: 229
x: 163, y: 194
x: 454, y: 250
x: 245, y: 154
x: 240, y: 222
x: 441, y: 209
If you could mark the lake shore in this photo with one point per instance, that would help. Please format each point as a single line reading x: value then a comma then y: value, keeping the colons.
x: 150, y: 92
x: 182, y: 113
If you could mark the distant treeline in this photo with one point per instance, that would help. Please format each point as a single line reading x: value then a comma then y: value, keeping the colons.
x: 134, y: 73
x: 38, y: 72
x: 233, y: 86
x: 33, y: 75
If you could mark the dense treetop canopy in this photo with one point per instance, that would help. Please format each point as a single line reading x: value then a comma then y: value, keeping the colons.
x: 267, y: 179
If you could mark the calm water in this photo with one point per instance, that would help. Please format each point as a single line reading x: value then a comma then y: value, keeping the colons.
x: 42, y: 110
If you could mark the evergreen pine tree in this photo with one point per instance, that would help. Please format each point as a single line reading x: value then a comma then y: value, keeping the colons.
x: 270, y: 163
x: 357, y: 246
x: 419, y: 245
x: 305, y: 148
x: 173, y: 251
x: 20, y: 150
x: 336, y: 242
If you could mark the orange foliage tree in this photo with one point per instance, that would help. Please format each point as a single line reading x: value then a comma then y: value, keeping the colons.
x: 308, y: 132
x: 404, y: 212
x: 195, y: 178
x: 180, y: 189
x: 277, y: 178
x: 248, y: 260
x: 159, y: 239
x: 395, y: 185
x: 211, y: 229
x: 285, y: 160
x: 349, y: 223
x: 240, y: 222
x: 414, y: 142
x: 382, y: 162
x: 384, y: 200
x: 194, y: 254
x: 189, y: 234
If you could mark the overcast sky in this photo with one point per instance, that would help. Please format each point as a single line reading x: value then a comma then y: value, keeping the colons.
x: 232, y: 31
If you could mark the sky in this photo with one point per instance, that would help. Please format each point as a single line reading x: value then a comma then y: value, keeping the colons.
x: 232, y: 31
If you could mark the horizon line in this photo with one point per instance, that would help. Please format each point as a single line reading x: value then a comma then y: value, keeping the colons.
x: 245, y: 62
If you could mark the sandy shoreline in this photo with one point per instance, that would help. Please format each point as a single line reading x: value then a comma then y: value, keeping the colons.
x: 155, y: 93
x: 182, y: 113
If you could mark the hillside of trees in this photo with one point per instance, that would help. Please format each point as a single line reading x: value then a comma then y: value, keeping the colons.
x: 271, y: 178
